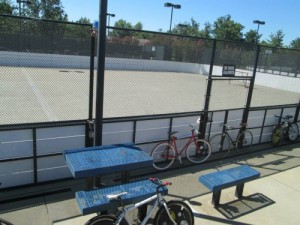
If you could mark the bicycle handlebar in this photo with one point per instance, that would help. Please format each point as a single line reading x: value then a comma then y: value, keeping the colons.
x: 159, y: 183
x: 285, y: 117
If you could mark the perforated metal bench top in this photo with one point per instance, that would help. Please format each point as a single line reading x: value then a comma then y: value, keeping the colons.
x: 96, y: 200
x: 229, y: 177
x: 87, y: 162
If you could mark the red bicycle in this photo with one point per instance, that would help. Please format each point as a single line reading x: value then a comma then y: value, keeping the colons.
x: 196, y: 150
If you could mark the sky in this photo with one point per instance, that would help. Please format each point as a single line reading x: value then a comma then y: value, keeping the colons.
x: 277, y: 14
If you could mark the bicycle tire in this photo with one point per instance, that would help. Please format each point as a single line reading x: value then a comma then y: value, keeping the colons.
x: 180, y: 212
x: 104, y: 220
x: 198, y: 151
x: 163, y: 156
x: 244, y: 141
x: 219, y: 149
x: 276, y: 136
x: 293, y: 131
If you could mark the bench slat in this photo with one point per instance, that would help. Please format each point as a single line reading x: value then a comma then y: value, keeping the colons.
x: 230, y: 177
x: 96, y: 201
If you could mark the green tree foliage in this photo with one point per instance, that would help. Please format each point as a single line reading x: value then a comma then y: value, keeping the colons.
x: 276, y: 40
x: 295, y: 43
x: 187, y: 28
x: 6, y: 7
x: 251, y: 36
x: 46, y: 9
x: 193, y: 29
x: 227, y: 29
x: 127, y: 30
x: 120, y: 33
x: 206, y: 32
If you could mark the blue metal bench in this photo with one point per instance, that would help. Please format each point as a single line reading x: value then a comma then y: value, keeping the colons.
x: 236, y: 176
x: 92, y: 201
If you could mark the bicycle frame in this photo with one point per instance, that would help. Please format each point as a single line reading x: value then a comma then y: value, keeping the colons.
x: 173, y: 143
x: 159, y: 200
x: 226, y: 133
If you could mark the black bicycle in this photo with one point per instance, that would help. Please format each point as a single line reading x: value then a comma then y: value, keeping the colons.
x: 286, y: 129
x: 222, y: 143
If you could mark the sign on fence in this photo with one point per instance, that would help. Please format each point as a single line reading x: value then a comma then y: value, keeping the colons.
x: 228, y: 70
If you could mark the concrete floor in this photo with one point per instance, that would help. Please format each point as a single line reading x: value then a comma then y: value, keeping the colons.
x: 272, y: 199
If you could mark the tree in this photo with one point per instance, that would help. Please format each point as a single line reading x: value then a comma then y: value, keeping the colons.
x: 295, y: 43
x: 206, y: 32
x: 251, y: 36
x: 121, y: 33
x: 225, y: 28
x: 46, y: 9
x: 192, y: 29
x: 276, y: 40
x: 6, y: 7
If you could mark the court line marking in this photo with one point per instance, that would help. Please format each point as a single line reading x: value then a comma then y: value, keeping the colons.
x: 41, y: 100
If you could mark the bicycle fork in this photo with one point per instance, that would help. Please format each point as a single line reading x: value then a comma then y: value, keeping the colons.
x: 168, y: 212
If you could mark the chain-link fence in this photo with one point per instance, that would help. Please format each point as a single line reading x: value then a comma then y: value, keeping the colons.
x: 44, y: 70
x: 46, y: 74
x: 277, y: 79
x: 156, y: 74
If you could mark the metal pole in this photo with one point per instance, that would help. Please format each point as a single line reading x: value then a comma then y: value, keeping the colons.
x: 204, y: 116
x: 92, y: 68
x: 171, y: 19
x: 251, y: 87
x: 19, y: 8
x: 256, y: 41
x: 100, y: 71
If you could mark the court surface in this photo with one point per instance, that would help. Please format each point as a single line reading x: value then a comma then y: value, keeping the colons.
x: 53, y: 94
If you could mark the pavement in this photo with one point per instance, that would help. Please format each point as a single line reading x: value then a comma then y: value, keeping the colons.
x: 35, y: 92
x: 274, y: 198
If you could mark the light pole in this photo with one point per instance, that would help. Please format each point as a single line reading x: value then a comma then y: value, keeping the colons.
x: 176, y: 6
x: 258, y: 22
x: 22, y: 1
x: 109, y: 15
x: 108, y: 21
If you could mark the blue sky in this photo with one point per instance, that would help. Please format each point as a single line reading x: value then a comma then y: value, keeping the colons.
x: 277, y: 14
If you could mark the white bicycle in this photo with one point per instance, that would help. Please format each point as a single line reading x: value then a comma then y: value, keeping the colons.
x: 169, y: 213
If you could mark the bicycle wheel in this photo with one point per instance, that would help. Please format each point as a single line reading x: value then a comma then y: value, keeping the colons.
x: 293, y: 131
x: 198, y: 151
x: 220, y: 145
x: 163, y: 156
x: 276, y: 136
x: 180, y: 212
x: 244, y: 141
x: 104, y: 220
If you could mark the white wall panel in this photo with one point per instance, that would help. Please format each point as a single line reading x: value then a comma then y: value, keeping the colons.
x: 16, y: 143
x: 58, y: 139
x: 117, y: 133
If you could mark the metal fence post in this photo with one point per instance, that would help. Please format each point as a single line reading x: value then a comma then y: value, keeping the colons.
x: 204, y: 115
x: 90, y: 124
x: 92, y: 68
x: 100, y: 71
x: 250, y: 92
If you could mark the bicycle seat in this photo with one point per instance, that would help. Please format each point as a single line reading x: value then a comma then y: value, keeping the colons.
x: 116, y: 196
x: 287, y: 117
